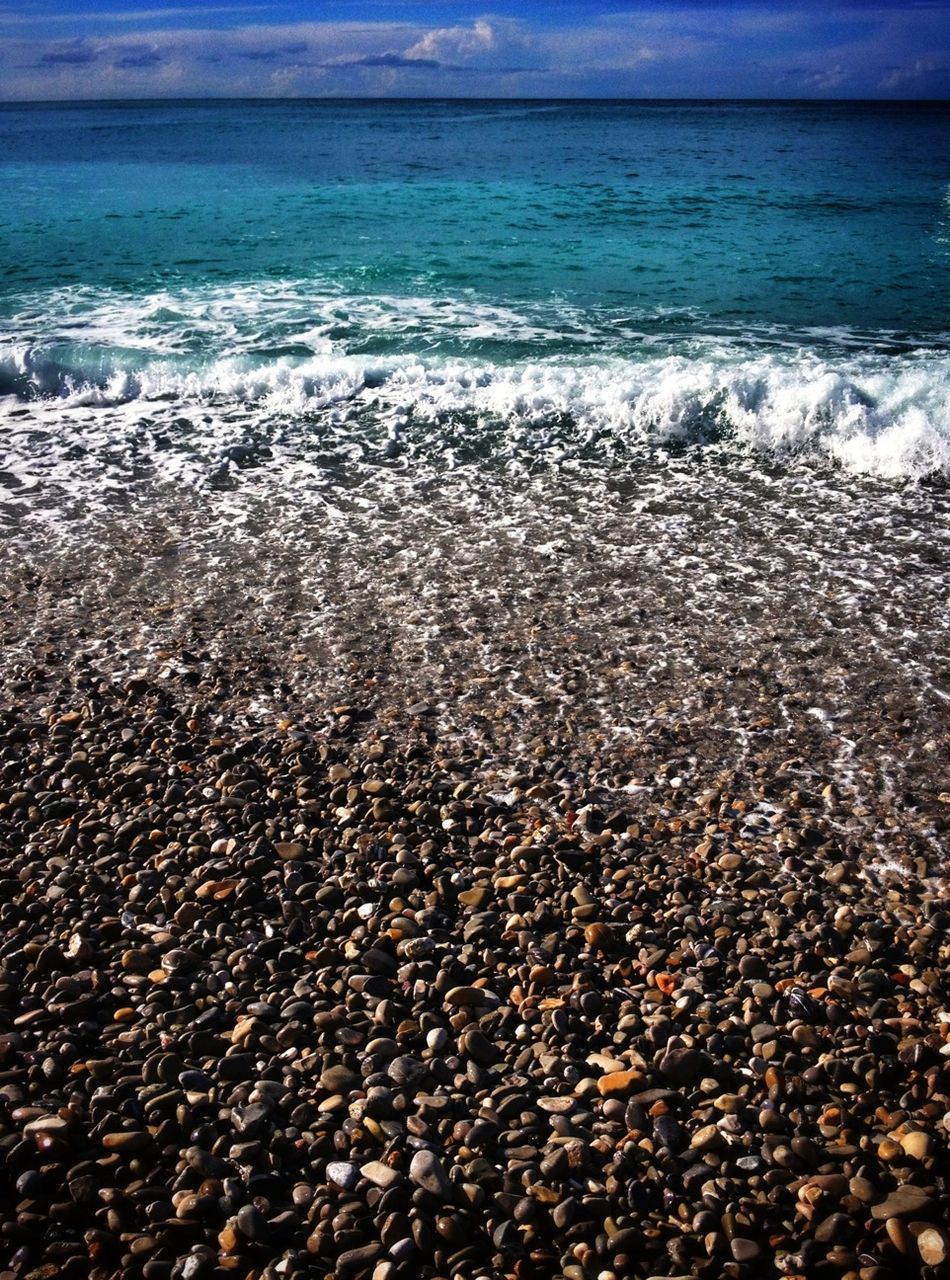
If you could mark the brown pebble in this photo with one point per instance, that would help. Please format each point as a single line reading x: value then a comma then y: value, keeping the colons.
x: 599, y: 936
x: 617, y: 1084
x: 917, y: 1144
x: 898, y: 1234
x: 902, y: 1203
x: 744, y: 1250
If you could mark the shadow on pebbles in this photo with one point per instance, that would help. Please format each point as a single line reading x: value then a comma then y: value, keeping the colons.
x: 316, y: 1002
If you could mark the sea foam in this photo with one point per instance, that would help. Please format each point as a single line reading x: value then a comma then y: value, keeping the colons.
x: 568, y: 380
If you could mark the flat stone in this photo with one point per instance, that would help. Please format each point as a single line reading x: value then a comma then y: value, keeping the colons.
x: 647, y: 1097
x: 558, y: 1106
x: 55, y: 1126
x: 380, y: 1174
x: 618, y: 1084
x: 901, y: 1203
x: 135, y: 1140
x: 604, y: 1062
x: 465, y: 997
x: 475, y: 898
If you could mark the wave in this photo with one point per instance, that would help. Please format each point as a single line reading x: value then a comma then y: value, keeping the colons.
x: 881, y: 410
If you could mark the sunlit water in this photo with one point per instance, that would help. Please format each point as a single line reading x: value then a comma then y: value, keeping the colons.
x: 623, y: 423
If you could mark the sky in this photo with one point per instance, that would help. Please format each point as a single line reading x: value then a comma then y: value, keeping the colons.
x: 81, y: 49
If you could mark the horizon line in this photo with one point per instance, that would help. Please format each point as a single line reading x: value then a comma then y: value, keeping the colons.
x: 457, y: 98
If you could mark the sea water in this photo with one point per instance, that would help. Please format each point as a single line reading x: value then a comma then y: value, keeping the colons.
x: 773, y: 274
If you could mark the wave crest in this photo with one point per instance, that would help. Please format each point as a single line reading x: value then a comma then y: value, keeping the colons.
x: 606, y: 381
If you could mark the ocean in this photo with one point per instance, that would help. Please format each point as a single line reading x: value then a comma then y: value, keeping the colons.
x: 542, y: 413
x: 775, y: 275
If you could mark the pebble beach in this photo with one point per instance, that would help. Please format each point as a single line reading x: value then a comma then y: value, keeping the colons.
x: 473, y: 691
x: 368, y: 979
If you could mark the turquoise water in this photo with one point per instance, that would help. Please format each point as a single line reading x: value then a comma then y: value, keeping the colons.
x: 774, y: 273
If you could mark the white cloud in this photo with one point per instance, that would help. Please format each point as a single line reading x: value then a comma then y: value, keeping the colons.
x: 663, y: 51
x: 447, y: 44
x: 906, y: 74
x: 827, y: 78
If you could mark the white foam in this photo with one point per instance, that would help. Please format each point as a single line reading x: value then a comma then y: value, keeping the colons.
x: 875, y: 411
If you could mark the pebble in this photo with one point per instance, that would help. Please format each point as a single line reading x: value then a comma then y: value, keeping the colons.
x: 381, y: 1175
x: 903, y: 1202
x: 744, y: 1250
x: 917, y: 1144
x: 933, y: 1245
x: 339, y: 1079
x: 343, y: 1173
x: 619, y: 1083
x: 426, y: 1171
x: 290, y: 850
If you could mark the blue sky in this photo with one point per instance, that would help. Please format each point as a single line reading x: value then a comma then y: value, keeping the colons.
x: 74, y: 49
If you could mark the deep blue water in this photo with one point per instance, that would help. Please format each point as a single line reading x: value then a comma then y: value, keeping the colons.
x: 772, y: 267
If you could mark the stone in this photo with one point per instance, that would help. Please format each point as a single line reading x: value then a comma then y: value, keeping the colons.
x: 344, y: 1173
x: 381, y: 1175
x: 599, y: 936
x: 465, y: 997
x: 618, y: 1084
x: 917, y: 1144
x: 251, y: 1222
x: 832, y: 1228
x: 54, y: 1126
x: 339, y: 1079
x: 476, y: 898
x: 708, y: 1138
x: 902, y: 1203
x: 744, y: 1250
x: 426, y: 1171
x: 898, y: 1234
x: 683, y: 1066
x: 180, y: 960
x: 127, y: 1142
x: 933, y: 1245
x: 354, y: 1261
x: 406, y: 1071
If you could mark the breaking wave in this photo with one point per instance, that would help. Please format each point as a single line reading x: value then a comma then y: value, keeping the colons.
x: 881, y: 409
